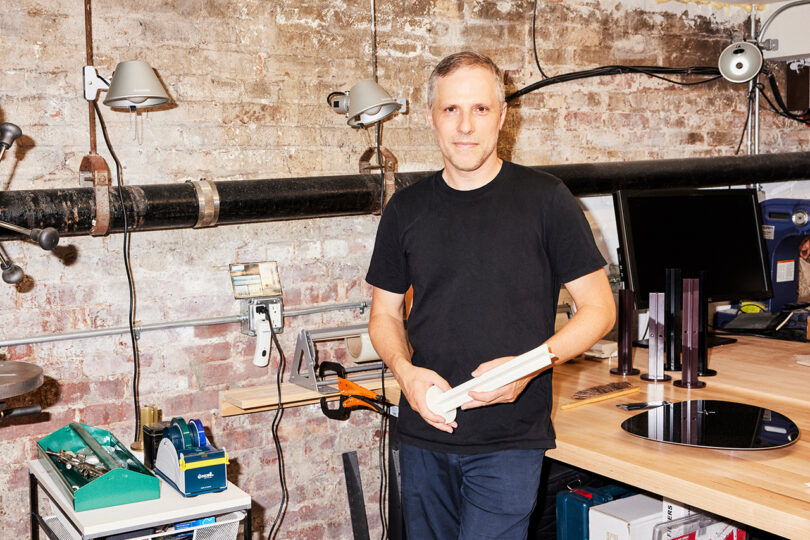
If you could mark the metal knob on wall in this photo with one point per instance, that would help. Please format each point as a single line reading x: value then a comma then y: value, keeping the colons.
x: 47, y: 238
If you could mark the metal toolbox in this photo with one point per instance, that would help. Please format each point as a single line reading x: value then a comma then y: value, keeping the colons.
x: 93, y: 469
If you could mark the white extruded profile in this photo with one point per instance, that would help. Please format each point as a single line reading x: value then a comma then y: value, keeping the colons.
x: 445, y: 403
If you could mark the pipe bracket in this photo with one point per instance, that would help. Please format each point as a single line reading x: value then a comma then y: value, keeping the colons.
x: 388, y: 166
x: 93, y: 169
x: 208, y: 201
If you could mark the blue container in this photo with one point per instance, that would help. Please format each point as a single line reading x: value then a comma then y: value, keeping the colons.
x: 573, y: 505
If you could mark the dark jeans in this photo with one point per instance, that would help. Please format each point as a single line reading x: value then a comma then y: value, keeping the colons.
x: 459, y: 496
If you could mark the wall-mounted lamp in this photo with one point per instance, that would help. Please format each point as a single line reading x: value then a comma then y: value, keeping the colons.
x: 740, y: 62
x: 134, y: 85
x: 365, y: 104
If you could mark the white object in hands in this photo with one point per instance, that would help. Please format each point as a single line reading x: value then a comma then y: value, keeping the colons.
x: 445, y: 403
x: 264, y: 336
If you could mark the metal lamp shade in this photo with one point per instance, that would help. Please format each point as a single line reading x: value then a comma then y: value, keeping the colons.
x: 134, y: 84
x: 740, y: 62
x: 368, y: 104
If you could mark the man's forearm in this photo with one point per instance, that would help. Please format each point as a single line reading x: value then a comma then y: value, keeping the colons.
x: 390, y: 340
x: 588, y: 325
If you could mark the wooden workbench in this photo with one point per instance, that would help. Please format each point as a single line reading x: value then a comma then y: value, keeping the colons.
x: 768, y: 489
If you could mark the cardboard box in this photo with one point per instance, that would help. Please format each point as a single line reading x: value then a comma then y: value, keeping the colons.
x: 631, y: 518
x: 673, y: 510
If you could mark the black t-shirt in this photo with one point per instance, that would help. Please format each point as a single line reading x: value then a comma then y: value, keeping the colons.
x: 486, y: 267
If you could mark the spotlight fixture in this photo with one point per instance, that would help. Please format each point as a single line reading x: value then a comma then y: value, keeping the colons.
x: 365, y: 104
x: 134, y: 85
x: 740, y: 62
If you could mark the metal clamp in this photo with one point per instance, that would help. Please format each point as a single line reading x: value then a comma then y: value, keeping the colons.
x: 208, y: 200
x: 388, y: 166
x: 94, y: 169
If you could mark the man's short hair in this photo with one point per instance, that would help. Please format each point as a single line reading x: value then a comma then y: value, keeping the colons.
x: 456, y: 61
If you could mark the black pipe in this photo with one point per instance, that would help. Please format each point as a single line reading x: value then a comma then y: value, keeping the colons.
x: 586, y: 179
x: 171, y: 206
x: 174, y: 206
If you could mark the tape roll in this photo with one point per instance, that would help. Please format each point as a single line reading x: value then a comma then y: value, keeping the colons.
x: 184, y: 432
x: 175, y: 435
x: 197, y: 432
x: 360, y: 348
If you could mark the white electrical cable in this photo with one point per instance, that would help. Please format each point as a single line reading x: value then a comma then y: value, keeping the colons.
x: 445, y: 403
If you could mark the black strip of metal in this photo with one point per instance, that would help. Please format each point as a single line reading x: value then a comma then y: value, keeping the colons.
x: 396, y: 520
x: 173, y: 206
x: 354, y: 489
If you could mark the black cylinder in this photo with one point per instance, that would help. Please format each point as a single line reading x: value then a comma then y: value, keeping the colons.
x: 172, y: 206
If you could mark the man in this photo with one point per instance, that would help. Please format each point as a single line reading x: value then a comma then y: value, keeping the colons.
x: 485, y: 244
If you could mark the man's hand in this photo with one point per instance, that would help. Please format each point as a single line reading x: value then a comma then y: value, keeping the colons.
x: 388, y: 337
x: 505, y: 394
x: 414, y: 382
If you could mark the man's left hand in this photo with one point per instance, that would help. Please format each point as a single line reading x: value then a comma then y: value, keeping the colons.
x: 505, y: 394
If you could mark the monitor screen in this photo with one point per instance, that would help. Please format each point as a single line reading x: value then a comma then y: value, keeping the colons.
x: 717, y: 231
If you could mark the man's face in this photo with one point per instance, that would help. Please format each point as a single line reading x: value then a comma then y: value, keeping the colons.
x: 466, y: 118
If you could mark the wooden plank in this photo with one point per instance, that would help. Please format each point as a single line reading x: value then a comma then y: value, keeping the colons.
x: 265, y: 398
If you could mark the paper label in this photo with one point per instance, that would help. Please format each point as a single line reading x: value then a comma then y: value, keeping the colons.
x: 768, y: 232
x: 785, y: 270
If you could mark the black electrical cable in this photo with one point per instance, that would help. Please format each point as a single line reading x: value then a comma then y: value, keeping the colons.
x: 785, y: 114
x: 534, y: 40
x: 380, y: 163
x: 130, y: 281
x: 282, y: 507
x: 747, y: 117
x: 782, y: 109
x: 710, y: 73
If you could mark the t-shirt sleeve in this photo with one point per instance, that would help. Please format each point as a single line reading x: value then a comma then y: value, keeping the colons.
x: 569, y: 239
x: 388, y: 269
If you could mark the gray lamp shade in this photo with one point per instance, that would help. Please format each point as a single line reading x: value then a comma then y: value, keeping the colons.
x: 740, y: 62
x: 369, y: 103
x: 134, y: 84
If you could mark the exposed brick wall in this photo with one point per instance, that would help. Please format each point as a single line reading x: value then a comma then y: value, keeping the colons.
x: 249, y: 79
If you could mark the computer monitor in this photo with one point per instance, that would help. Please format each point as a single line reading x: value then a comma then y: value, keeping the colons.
x: 717, y: 231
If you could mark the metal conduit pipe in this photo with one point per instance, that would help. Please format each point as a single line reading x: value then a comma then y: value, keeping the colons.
x: 186, y: 205
x: 99, y: 332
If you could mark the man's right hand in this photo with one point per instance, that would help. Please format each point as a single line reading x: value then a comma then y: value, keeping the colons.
x: 387, y: 332
x: 414, y: 383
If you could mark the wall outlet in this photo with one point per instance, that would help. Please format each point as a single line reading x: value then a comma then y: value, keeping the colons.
x: 275, y: 308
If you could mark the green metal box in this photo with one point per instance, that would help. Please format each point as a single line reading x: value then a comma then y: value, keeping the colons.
x: 127, y: 480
